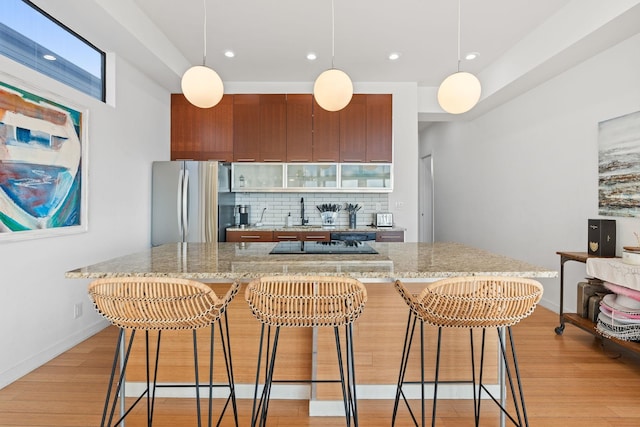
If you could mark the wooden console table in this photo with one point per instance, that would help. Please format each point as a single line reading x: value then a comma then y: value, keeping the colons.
x: 574, y: 318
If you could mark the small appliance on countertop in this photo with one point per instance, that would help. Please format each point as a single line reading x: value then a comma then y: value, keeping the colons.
x: 383, y: 219
x: 243, y: 216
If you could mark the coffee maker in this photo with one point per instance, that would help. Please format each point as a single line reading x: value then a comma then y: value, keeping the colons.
x: 243, y: 215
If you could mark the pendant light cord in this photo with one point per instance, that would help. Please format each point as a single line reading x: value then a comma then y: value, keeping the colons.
x: 204, y: 32
x: 458, y: 35
x: 333, y: 33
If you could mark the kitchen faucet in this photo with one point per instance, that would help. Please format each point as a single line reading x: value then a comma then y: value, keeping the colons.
x: 302, y: 220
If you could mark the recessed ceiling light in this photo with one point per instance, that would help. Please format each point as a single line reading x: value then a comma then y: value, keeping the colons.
x: 311, y: 56
x: 394, y: 56
x: 49, y: 57
x: 229, y: 53
x: 471, y: 56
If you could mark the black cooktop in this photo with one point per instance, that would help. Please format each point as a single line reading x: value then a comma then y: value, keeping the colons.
x: 332, y: 247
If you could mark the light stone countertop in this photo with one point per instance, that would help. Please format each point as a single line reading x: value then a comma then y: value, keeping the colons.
x: 245, y: 261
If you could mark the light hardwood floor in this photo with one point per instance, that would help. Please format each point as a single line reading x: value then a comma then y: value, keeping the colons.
x: 569, y: 380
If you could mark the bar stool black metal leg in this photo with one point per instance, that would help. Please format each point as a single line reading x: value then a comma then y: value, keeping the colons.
x: 345, y: 400
x: 261, y: 406
x: 114, y: 366
x: 195, y: 362
x: 517, y: 369
x: 406, y: 349
x: 152, y: 391
x: 226, y: 351
x: 352, y: 374
x: 255, y: 407
x: 473, y: 376
x: 480, y: 383
x: 435, y: 384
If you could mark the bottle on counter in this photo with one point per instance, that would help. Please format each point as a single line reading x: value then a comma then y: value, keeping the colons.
x: 289, y: 220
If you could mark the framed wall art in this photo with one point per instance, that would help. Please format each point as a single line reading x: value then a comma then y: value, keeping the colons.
x: 619, y: 166
x: 42, y: 164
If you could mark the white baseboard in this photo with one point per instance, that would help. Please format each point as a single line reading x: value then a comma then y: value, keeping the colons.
x: 24, y: 367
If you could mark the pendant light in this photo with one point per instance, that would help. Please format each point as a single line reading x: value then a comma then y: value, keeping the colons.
x: 201, y: 85
x: 459, y: 92
x: 333, y: 88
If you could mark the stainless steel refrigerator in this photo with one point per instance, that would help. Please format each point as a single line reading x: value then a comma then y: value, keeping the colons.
x: 191, y: 201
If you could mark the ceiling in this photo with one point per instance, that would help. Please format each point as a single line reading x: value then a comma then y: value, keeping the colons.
x: 521, y: 43
x: 271, y: 38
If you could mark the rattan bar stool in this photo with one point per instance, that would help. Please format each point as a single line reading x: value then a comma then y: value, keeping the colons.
x: 305, y: 302
x: 160, y: 304
x: 480, y: 302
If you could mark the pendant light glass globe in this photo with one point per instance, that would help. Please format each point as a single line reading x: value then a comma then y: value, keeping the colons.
x: 333, y: 90
x: 459, y: 92
x: 202, y: 86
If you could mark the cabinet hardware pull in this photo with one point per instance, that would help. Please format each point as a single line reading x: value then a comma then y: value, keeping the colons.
x: 286, y: 237
x: 379, y: 161
x: 326, y: 160
x: 272, y: 160
x: 246, y: 160
x: 315, y: 237
x: 353, y: 160
x: 250, y: 237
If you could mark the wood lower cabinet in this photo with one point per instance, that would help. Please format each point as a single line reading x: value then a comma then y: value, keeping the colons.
x: 318, y: 236
x: 390, y: 236
x: 201, y: 133
x: 306, y: 236
x: 284, y: 236
x: 249, y: 236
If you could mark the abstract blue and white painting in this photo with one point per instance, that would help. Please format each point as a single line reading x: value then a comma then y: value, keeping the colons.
x: 41, y: 154
x: 619, y: 166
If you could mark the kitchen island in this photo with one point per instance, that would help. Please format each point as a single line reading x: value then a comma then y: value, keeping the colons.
x: 226, y: 262
x: 379, y: 332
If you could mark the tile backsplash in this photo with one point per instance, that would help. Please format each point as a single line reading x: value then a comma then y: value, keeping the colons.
x: 279, y: 205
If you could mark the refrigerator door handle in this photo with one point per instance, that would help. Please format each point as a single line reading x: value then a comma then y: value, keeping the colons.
x: 185, y: 205
x: 179, y: 197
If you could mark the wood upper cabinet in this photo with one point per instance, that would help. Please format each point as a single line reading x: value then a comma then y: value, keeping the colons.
x: 300, y: 128
x: 246, y: 128
x: 201, y: 133
x: 353, y: 130
x: 259, y: 128
x: 283, y: 128
x: 273, y: 128
x: 326, y: 134
x: 379, y: 128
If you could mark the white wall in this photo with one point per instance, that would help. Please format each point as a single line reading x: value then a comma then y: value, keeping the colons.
x: 36, y: 301
x: 522, y: 180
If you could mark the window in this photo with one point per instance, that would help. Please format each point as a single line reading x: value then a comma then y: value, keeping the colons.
x: 33, y: 38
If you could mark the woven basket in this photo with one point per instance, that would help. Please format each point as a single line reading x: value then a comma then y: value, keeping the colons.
x: 158, y: 303
x: 475, y: 301
x: 306, y: 301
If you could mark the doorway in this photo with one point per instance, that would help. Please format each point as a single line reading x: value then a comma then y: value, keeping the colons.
x: 425, y: 199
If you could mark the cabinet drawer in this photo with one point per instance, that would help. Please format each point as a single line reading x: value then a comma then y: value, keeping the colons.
x: 390, y: 236
x: 283, y: 236
x: 317, y: 236
x: 249, y: 236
